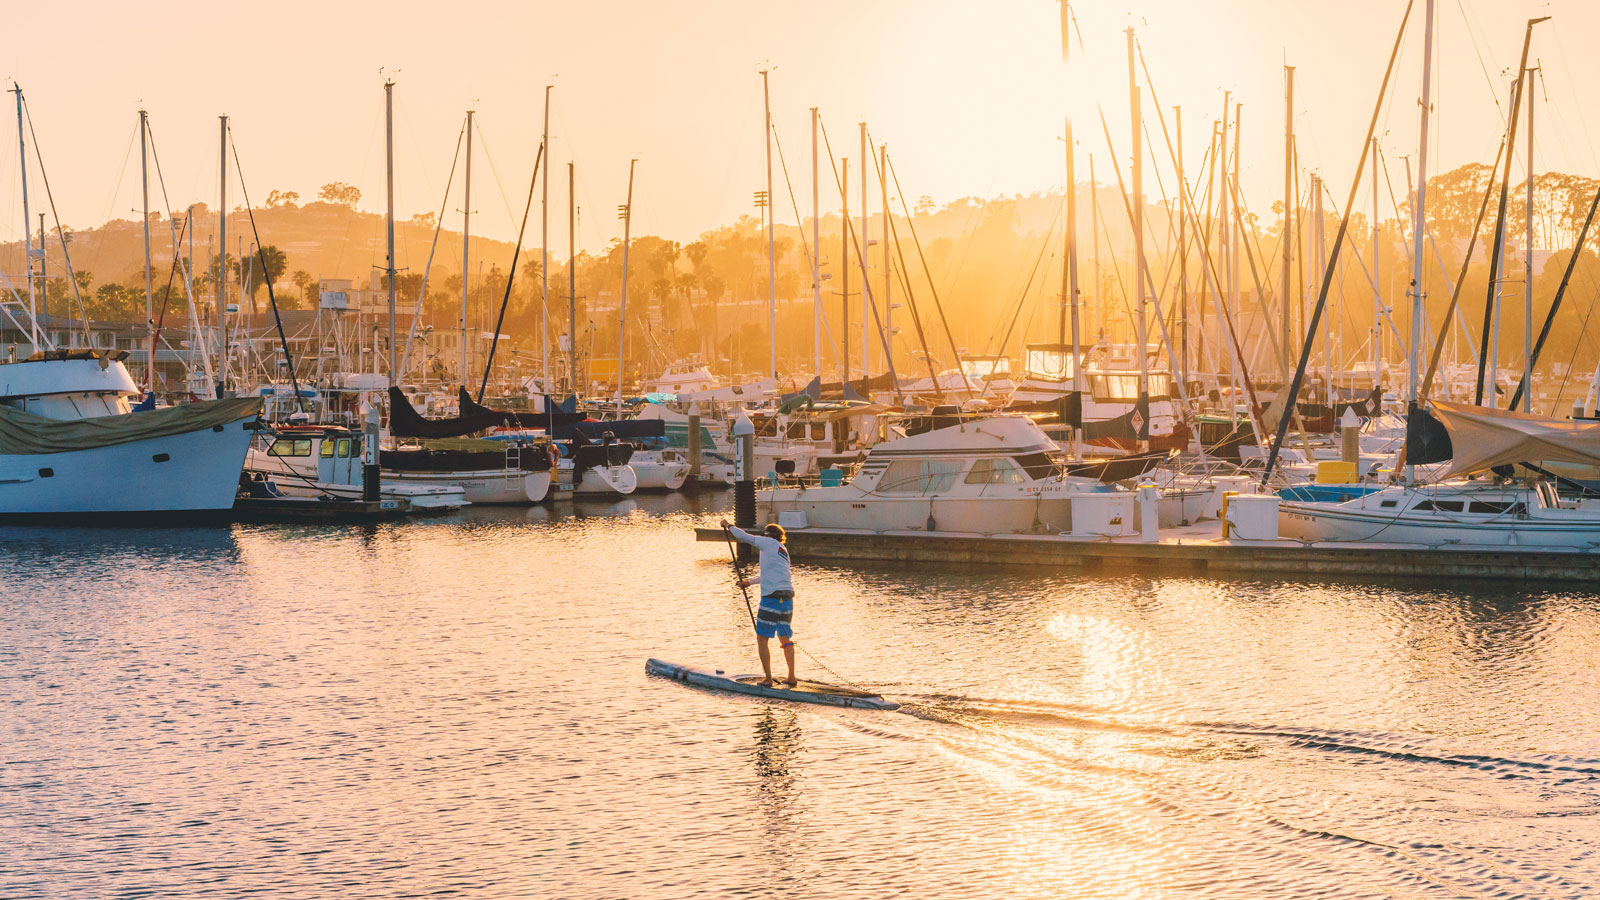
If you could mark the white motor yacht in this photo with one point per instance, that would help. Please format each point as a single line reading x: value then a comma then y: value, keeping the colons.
x: 999, y: 475
x: 70, y: 444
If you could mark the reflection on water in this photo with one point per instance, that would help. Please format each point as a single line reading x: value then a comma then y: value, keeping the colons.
x: 459, y: 705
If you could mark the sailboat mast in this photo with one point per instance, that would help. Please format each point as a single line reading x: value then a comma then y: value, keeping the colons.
x: 866, y: 290
x: 149, y: 316
x: 844, y: 261
x: 1527, y: 265
x: 888, y: 307
x: 1491, y: 313
x: 27, y: 234
x: 466, y: 242
x: 544, y: 248
x: 816, y: 253
x: 222, y: 262
x: 1138, y: 240
x: 1070, y: 281
x: 1286, y: 305
x: 1419, y: 219
x: 572, y: 277
x: 622, y: 320
x: 388, y: 168
x: 1183, y: 256
x: 1377, y: 295
x: 772, y: 258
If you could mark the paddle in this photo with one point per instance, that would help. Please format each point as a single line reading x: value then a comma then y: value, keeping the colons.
x: 739, y: 575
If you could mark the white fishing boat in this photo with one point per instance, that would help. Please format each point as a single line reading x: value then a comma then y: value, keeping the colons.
x: 325, y: 461
x: 70, y: 444
x: 999, y: 475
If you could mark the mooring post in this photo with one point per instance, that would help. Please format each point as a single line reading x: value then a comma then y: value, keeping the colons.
x: 369, y: 456
x: 693, y: 481
x: 744, y: 487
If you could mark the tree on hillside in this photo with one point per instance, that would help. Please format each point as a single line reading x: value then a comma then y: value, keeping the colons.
x: 339, y: 193
x: 308, y: 288
x: 425, y: 220
x: 270, y: 262
x: 290, y: 199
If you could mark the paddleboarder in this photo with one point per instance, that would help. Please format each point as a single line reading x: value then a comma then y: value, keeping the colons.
x: 777, y: 597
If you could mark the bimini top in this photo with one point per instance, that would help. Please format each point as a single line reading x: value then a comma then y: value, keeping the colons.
x: 1009, y: 434
x: 1483, y: 437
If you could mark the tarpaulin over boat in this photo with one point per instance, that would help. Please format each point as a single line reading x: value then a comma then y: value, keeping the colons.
x: 1483, y: 438
x: 26, y: 433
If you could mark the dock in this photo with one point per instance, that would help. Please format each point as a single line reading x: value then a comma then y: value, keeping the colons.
x: 313, y: 509
x: 1193, y: 549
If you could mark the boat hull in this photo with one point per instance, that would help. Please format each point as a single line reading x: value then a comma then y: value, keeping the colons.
x: 193, y: 471
x: 1327, y: 522
x: 499, y: 487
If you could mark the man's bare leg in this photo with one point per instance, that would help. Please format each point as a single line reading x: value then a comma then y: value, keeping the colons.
x: 788, y: 657
x: 765, y: 653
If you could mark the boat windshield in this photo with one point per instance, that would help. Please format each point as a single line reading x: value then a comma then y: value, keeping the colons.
x: 1040, y: 466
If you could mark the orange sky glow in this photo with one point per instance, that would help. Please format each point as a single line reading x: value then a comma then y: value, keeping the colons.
x: 969, y: 97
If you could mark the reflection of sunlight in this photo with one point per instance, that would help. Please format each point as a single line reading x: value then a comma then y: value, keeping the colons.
x: 1110, y: 657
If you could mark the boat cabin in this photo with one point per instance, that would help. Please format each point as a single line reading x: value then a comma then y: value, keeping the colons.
x: 329, y: 454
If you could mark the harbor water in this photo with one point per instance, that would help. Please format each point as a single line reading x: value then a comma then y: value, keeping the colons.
x: 459, y: 706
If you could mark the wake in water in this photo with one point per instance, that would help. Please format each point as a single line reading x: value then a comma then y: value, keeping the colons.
x: 1212, y: 808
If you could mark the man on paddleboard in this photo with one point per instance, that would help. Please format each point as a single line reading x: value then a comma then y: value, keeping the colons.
x: 777, y: 596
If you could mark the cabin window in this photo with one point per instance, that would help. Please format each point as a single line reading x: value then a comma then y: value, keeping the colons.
x: 355, y: 446
x: 344, y: 448
x: 1495, y: 507
x: 1438, y: 506
x: 327, y: 449
x: 1038, y: 465
x: 1388, y: 504
x: 295, y: 447
x: 995, y: 471
x: 919, y: 476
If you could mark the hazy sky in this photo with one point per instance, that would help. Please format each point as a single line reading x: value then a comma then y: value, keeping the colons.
x: 969, y: 96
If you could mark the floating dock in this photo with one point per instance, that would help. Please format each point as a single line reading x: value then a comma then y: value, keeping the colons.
x: 1191, y: 549
x: 313, y: 509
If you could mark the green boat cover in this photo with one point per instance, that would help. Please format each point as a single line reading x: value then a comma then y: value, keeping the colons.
x: 26, y: 433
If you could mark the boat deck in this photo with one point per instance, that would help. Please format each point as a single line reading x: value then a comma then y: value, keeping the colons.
x: 1197, y: 548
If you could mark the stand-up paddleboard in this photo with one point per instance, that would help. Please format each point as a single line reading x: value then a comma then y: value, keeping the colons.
x: 804, y: 692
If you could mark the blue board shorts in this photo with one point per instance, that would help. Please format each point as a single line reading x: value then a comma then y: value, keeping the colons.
x: 772, y: 618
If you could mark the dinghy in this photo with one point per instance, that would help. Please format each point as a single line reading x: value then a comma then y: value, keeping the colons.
x: 803, y: 692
